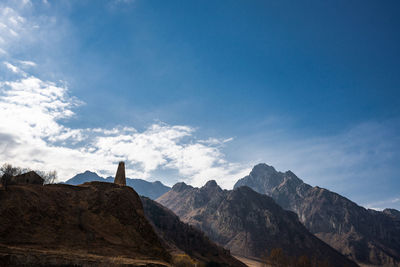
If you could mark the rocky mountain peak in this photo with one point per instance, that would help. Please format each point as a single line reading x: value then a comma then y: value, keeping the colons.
x: 395, y: 214
x: 262, y: 169
x: 210, y: 189
x: 358, y: 233
x: 248, y: 223
x: 211, y: 185
x: 263, y: 178
x: 179, y: 187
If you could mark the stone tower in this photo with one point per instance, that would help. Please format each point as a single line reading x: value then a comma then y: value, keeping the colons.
x: 120, y: 176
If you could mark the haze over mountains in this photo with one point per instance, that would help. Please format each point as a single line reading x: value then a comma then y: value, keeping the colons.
x: 366, y: 236
x: 144, y: 188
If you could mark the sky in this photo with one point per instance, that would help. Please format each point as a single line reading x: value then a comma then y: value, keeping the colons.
x: 198, y: 90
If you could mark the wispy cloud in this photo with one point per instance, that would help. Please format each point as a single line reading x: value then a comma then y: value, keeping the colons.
x: 12, y: 67
x: 27, y: 63
x: 32, y: 135
x: 35, y: 113
x: 12, y: 25
x: 359, y: 162
x: 381, y: 205
x: 118, y: 4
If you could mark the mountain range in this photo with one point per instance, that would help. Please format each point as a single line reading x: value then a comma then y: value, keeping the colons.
x: 366, y: 236
x: 152, y: 190
x: 248, y: 223
x: 269, y: 215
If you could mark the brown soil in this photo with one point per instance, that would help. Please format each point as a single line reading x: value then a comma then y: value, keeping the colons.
x: 91, y: 224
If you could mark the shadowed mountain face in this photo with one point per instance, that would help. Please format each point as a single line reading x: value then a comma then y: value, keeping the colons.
x: 180, y: 237
x: 366, y: 236
x: 60, y: 223
x: 152, y: 190
x: 395, y: 214
x: 246, y: 222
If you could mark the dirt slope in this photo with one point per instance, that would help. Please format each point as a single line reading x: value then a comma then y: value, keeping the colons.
x: 91, y: 220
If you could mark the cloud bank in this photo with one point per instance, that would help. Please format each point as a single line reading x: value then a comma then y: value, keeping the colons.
x: 32, y: 135
x: 34, y: 111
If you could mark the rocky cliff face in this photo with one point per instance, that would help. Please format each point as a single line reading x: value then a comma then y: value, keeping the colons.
x: 246, y: 222
x: 180, y: 237
x: 366, y: 236
x: 88, y: 224
x: 395, y: 214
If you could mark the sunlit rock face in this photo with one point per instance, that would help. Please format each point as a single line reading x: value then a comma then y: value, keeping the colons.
x: 366, y: 236
x: 246, y: 222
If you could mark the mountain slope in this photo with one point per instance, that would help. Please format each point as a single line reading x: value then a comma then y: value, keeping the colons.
x: 179, y: 236
x: 93, y: 219
x: 366, y: 236
x: 246, y: 222
x: 152, y: 190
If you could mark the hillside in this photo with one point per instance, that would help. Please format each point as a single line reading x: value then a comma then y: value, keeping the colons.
x: 180, y: 237
x: 366, y: 236
x: 94, y: 223
x: 152, y: 190
x: 247, y: 223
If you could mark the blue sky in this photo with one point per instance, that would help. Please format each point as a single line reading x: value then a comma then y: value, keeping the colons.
x: 198, y: 90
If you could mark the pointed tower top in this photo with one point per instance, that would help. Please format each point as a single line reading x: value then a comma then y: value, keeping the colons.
x: 120, y: 175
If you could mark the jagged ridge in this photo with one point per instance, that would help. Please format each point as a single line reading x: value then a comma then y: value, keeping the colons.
x: 366, y: 236
x: 246, y: 222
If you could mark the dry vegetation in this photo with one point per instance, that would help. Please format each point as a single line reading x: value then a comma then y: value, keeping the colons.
x: 50, y: 177
x: 277, y: 258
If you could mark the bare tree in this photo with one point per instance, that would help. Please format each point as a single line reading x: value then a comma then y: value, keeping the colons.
x: 8, y: 169
x: 49, y: 177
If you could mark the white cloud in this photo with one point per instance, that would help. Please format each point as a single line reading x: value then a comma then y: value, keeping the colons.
x: 27, y: 63
x: 11, y: 23
x: 26, y: 2
x: 381, y: 205
x: 21, y: 28
x: 12, y: 67
x: 32, y: 135
x: 359, y: 162
x: 122, y: 1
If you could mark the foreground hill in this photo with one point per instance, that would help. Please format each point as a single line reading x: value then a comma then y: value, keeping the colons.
x: 366, y: 236
x: 180, y: 237
x: 91, y: 224
x: 152, y: 190
x: 247, y: 223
